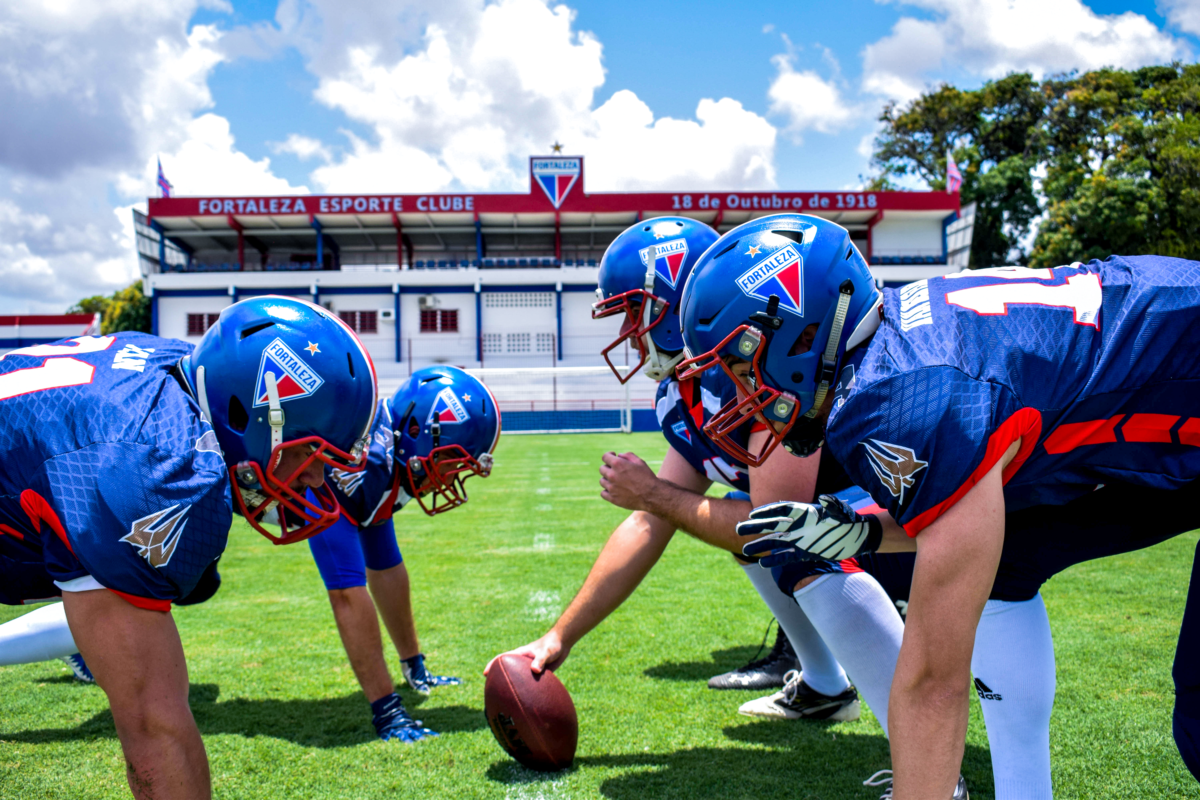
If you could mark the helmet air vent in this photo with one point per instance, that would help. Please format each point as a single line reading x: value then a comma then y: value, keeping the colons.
x: 795, y: 236
x: 350, y: 363
x: 732, y: 245
x: 253, y: 329
x: 238, y: 418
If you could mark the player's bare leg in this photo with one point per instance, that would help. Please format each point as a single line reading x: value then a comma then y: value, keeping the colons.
x: 358, y: 626
x: 138, y: 661
x: 390, y: 588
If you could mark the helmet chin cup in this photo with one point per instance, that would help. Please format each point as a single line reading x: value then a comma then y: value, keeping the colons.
x: 258, y: 493
x: 643, y: 311
x: 440, y: 476
x: 778, y: 410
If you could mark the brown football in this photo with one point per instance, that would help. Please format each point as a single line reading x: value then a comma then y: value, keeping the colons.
x: 531, y: 716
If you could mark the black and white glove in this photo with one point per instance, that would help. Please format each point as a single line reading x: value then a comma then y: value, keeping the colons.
x: 829, y: 531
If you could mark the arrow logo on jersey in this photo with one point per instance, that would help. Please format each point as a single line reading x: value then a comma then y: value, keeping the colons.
x: 293, y: 377
x: 668, y: 259
x: 556, y: 176
x: 348, y: 482
x: 156, y: 535
x: 895, y: 466
x: 782, y: 275
x: 447, y: 409
x: 681, y: 430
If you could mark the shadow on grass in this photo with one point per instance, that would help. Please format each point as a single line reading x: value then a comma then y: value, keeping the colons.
x: 322, y: 722
x: 800, y: 761
x: 722, y: 661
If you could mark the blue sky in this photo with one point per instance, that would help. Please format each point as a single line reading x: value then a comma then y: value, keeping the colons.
x: 283, y: 96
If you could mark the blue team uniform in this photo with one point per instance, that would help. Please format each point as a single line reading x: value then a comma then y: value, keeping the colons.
x: 106, y: 470
x: 683, y: 409
x: 1095, y: 367
x: 365, y: 536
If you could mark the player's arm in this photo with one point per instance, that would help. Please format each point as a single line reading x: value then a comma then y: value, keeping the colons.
x: 628, y: 556
x: 138, y: 660
x: 957, y: 557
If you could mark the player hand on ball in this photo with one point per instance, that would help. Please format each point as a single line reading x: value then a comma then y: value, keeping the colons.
x: 625, y: 479
x: 830, y: 530
x: 548, y: 652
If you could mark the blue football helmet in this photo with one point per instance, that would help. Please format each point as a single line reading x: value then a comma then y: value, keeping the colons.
x: 275, y: 373
x: 790, y: 294
x: 642, y: 276
x: 446, y: 424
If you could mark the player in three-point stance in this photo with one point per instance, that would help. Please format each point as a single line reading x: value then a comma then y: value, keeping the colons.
x: 641, y: 277
x: 439, y: 428
x: 1012, y: 422
x: 124, y: 458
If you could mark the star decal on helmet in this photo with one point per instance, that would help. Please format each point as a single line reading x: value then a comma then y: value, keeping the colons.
x: 313, y: 348
x: 753, y: 251
x: 895, y: 466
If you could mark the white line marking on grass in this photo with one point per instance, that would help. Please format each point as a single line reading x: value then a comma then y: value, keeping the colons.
x: 543, y: 606
x: 543, y: 541
x: 544, y: 490
x: 544, y: 507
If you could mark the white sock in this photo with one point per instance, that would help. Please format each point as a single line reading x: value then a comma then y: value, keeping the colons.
x: 857, y: 620
x: 40, y: 635
x: 821, y: 670
x: 1013, y: 664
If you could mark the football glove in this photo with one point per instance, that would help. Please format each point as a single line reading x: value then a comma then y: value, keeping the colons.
x: 829, y: 531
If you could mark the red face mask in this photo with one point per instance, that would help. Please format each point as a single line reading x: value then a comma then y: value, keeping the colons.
x: 768, y: 405
x: 638, y: 306
x: 440, y: 476
x: 299, y: 517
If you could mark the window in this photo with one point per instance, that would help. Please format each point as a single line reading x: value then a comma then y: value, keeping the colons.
x: 545, y: 342
x: 439, y: 321
x: 199, y: 323
x: 361, y: 321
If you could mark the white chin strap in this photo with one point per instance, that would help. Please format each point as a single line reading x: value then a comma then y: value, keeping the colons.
x: 274, y: 410
x: 202, y: 395
x: 829, y: 357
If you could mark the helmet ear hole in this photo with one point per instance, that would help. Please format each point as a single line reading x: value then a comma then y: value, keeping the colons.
x: 238, y: 418
x: 414, y: 428
x: 804, y: 341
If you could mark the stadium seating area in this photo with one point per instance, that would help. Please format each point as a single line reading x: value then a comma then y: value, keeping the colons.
x: 894, y: 260
x: 235, y: 267
x: 529, y: 262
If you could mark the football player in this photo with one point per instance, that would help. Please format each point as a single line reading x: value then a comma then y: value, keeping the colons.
x: 1009, y: 422
x: 641, y: 276
x: 438, y: 429
x: 124, y: 458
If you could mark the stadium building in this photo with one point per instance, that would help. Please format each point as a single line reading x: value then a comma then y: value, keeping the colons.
x: 482, y: 281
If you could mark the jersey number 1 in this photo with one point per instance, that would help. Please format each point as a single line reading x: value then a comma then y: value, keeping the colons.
x: 54, y: 373
x: 1081, y: 293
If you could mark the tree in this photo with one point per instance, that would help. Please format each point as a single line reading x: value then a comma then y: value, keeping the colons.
x: 125, y: 310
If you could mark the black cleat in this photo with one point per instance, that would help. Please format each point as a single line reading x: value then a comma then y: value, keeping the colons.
x: 763, y: 673
x: 798, y: 700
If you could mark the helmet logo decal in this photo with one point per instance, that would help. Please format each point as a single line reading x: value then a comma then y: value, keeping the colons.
x: 895, y: 466
x: 293, y: 377
x: 681, y: 430
x: 782, y: 275
x: 669, y: 259
x: 447, y: 409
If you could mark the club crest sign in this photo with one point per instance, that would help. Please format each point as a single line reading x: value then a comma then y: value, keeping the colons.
x: 556, y: 176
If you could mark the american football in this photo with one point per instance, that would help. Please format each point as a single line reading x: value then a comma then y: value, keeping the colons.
x: 810, y: 387
x: 531, y: 715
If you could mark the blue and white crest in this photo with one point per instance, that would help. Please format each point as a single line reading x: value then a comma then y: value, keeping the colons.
x: 293, y: 377
x: 780, y: 274
x: 668, y: 259
x: 681, y: 430
x: 556, y: 176
x: 447, y: 409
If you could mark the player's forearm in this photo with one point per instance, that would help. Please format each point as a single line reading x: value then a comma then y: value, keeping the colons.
x: 630, y: 553
x: 927, y: 727
x: 712, y: 520
x: 164, y: 759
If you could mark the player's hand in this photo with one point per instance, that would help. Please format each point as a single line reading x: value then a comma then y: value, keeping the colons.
x: 548, y: 653
x: 830, y: 531
x: 625, y: 479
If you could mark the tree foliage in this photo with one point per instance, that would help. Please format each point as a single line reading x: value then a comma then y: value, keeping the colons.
x: 124, y: 310
x: 1106, y: 161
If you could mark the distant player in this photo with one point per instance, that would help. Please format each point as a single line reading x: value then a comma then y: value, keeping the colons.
x: 1012, y: 422
x: 438, y: 429
x: 123, y: 459
x: 641, y: 276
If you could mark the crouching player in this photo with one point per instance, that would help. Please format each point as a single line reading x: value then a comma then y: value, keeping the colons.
x: 439, y: 428
x: 124, y: 457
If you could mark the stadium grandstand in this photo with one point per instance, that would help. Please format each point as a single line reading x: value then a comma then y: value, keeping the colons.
x: 35, y: 329
x: 488, y: 281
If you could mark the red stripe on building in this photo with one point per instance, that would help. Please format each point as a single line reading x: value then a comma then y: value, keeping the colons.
x: 48, y: 319
x: 1149, y: 428
x: 1077, y: 434
x: 1026, y: 425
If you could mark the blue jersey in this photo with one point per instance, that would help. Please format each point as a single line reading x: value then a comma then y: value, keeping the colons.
x: 107, y: 469
x: 372, y: 495
x: 684, y: 408
x: 1094, y: 367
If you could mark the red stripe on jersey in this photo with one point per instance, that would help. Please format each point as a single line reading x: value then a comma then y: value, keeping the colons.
x: 1077, y: 434
x: 874, y: 508
x: 850, y: 565
x: 1025, y: 424
x: 689, y: 390
x: 148, y: 603
x: 1189, y: 432
x: 1149, y: 428
x: 11, y: 531
x: 39, y: 511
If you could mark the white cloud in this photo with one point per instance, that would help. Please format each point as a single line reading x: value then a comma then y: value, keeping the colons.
x: 990, y: 38
x: 303, y: 148
x: 1183, y: 14
x: 807, y: 100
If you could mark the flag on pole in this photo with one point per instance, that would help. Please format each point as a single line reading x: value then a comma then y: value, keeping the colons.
x: 953, y: 176
x: 164, y: 185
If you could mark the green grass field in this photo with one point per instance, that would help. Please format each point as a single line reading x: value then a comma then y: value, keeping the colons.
x: 282, y: 716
